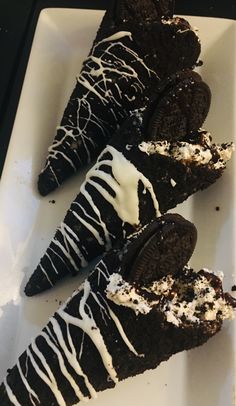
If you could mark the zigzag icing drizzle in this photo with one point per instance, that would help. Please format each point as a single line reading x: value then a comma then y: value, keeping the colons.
x: 61, y: 343
x: 189, y: 297
x: 100, y: 86
x: 124, y: 200
x: 117, y: 190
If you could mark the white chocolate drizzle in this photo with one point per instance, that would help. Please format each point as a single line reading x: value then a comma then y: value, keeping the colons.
x: 111, y: 60
x: 48, y: 378
x: 60, y: 342
x: 70, y: 354
x: 124, y: 183
x: 11, y: 395
x: 31, y: 392
x: 173, y: 183
x: 62, y: 366
x: 122, y: 333
x: 88, y: 325
x: 171, y: 294
x: 122, y: 178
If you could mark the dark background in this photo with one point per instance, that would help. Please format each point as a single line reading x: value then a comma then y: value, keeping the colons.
x: 18, y: 19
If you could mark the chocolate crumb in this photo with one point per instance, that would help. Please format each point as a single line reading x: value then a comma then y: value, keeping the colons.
x: 233, y: 288
x: 217, y: 208
x: 199, y: 63
x: 52, y: 201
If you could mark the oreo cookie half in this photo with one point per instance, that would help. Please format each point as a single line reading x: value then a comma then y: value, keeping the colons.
x: 164, y: 247
x: 180, y: 108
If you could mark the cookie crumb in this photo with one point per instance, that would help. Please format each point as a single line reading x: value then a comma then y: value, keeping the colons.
x: 199, y: 63
x: 217, y: 208
x: 52, y: 201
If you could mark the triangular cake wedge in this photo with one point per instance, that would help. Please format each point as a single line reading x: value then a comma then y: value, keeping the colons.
x: 136, y: 46
x: 121, y: 323
x: 131, y: 184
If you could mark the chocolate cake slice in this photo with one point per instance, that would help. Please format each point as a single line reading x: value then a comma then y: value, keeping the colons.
x: 119, y: 323
x: 132, y: 182
x: 136, y: 45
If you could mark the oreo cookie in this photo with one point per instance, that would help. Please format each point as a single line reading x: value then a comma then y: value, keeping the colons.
x: 164, y: 247
x: 180, y: 107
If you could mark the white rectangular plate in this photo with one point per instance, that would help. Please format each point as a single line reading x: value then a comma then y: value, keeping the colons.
x: 203, y: 376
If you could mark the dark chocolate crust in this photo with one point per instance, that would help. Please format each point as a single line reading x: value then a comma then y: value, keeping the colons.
x: 129, y: 57
x: 100, y: 216
x: 91, y: 342
x: 138, y: 11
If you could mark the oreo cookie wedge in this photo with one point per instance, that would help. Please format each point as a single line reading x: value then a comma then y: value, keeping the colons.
x: 112, y: 329
x: 129, y: 186
x: 128, y: 58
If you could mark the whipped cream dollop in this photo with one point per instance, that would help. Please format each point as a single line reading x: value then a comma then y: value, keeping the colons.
x: 182, y: 299
x: 200, y: 154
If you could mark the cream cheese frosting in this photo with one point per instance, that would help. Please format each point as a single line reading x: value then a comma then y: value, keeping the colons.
x: 185, y: 152
x: 170, y: 295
